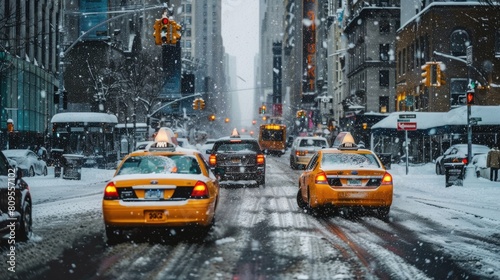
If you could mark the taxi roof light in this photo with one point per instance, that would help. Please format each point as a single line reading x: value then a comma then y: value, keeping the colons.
x: 235, y: 133
x: 163, y: 141
x: 348, y: 146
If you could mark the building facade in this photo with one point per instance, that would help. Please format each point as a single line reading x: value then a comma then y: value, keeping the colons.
x: 441, y: 33
x: 28, y: 65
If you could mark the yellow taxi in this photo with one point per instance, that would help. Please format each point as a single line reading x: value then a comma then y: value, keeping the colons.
x: 345, y: 177
x: 162, y: 186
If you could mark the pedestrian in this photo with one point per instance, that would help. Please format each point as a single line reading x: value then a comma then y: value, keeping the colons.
x: 493, y: 162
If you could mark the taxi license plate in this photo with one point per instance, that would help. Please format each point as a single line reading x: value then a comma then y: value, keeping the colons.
x: 353, y: 182
x: 353, y: 194
x: 153, y: 194
x: 154, y: 216
x: 236, y: 160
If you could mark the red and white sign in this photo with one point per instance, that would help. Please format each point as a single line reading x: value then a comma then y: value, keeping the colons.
x: 407, y: 126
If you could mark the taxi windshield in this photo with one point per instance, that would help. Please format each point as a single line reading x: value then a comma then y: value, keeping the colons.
x: 343, y: 160
x: 160, y: 165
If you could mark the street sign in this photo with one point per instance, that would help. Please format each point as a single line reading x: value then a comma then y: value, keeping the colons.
x: 407, y: 116
x: 469, y: 55
x: 407, y: 126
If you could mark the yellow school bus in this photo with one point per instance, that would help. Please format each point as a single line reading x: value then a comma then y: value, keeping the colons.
x: 272, y: 138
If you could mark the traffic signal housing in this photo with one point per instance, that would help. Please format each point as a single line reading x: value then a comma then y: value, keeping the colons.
x: 301, y: 114
x: 165, y: 30
x: 426, y: 72
x: 157, y: 31
x: 470, y: 98
x: 176, y: 32
x: 202, y: 104
x: 196, y: 104
x: 440, y: 78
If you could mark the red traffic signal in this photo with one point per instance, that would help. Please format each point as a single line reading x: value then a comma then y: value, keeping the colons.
x: 164, y: 21
x: 470, y: 97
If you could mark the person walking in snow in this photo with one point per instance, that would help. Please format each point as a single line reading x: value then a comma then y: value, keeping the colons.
x: 493, y: 162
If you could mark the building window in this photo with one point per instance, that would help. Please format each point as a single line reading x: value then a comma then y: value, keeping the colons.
x: 459, y: 40
x: 384, y: 52
x: 188, y: 32
x: 188, y: 8
x: 383, y: 78
x: 384, y: 27
x: 383, y: 102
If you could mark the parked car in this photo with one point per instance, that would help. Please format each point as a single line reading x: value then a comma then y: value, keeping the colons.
x: 27, y: 161
x: 458, y: 154
x: 22, y: 197
x: 479, y: 162
x: 303, y: 149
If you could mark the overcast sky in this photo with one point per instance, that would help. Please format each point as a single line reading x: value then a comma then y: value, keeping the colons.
x: 240, y: 32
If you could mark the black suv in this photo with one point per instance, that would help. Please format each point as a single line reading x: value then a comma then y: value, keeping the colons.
x: 15, y: 204
x: 238, y: 158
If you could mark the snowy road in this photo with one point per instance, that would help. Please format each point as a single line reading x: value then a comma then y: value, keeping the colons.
x: 433, y: 233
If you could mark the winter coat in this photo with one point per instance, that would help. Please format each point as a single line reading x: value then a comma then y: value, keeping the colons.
x: 493, y: 159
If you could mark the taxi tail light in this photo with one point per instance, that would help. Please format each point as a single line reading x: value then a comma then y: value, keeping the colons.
x: 200, y: 190
x: 110, y: 191
x: 464, y: 161
x: 387, y: 179
x: 260, y: 159
x: 212, y: 160
x: 321, y: 178
x: 301, y: 153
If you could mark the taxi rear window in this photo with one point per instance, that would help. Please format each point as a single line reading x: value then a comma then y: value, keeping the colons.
x: 313, y: 143
x: 160, y: 165
x: 236, y: 147
x: 343, y: 160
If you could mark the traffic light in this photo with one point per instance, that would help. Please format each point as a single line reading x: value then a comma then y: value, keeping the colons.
x: 10, y: 127
x: 196, y: 104
x: 426, y: 72
x: 202, y: 104
x: 301, y: 114
x: 165, y: 31
x: 470, y: 97
x: 211, y: 117
x: 262, y: 109
x: 157, y: 31
x: 440, y: 76
x: 176, y: 32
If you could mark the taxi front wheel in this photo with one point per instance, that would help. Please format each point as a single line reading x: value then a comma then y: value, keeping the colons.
x: 300, y: 202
